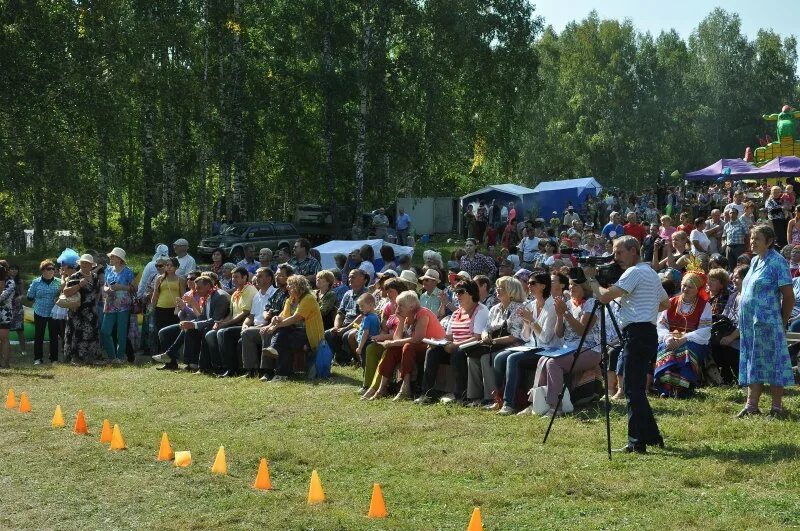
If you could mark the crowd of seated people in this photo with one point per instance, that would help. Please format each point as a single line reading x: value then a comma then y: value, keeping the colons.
x: 472, y: 328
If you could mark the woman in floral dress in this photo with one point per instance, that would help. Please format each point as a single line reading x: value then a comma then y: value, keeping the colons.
x: 764, y: 309
x: 82, y: 336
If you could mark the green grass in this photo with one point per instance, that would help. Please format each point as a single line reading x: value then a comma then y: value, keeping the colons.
x: 434, y: 463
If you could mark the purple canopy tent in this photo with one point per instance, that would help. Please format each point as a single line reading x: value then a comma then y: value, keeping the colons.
x: 739, y: 169
x: 777, y: 167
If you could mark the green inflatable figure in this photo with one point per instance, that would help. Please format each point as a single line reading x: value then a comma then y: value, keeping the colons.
x: 786, y: 122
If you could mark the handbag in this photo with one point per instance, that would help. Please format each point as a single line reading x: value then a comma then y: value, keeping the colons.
x: 720, y: 328
x: 324, y: 360
x: 539, y: 406
x: 71, y: 302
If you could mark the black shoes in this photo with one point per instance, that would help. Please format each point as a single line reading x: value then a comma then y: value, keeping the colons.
x: 173, y: 366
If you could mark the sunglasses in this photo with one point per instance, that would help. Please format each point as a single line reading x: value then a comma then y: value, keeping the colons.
x: 49, y: 269
x: 159, y: 266
x: 460, y: 291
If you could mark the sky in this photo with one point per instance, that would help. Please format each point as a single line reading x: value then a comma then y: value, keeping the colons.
x: 682, y: 15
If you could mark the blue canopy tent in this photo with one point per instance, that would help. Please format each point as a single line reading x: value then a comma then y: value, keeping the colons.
x: 552, y: 196
x: 503, y: 193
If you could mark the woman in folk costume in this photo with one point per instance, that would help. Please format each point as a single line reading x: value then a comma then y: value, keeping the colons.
x: 684, y: 332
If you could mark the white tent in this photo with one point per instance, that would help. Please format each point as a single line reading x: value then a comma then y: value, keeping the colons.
x: 334, y: 247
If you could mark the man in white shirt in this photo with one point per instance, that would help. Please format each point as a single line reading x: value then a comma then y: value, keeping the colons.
x: 187, y: 263
x: 713, y: 230
x: 641, y: 297
x: 738, y: 203
x: 251, y: 328
x: 571, y: 216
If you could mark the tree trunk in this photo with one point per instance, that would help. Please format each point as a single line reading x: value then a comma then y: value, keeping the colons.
x: 149, y: 170
x: 327, y: 107
x: 363, y: 116
x: 236, y: 93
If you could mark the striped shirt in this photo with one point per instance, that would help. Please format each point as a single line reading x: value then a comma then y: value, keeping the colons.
x: 473, y: 324
x: 643, y: 294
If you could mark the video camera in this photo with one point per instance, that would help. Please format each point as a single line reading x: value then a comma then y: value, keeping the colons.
x: 607, y: 270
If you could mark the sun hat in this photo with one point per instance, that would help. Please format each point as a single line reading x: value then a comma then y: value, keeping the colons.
x: 386, y: 274
x: 431, y: 274
x: 464, y: 275
x: 87, y: 258
x: 119, y: 252
x: 162, y: 251
x: 409, y: 278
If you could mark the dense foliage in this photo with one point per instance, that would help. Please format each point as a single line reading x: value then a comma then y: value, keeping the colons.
x: 131, y: 121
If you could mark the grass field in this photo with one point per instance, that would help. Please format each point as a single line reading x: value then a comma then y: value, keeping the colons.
x: 435, y: 463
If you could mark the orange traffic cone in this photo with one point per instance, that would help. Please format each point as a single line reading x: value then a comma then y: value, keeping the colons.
x: 165, y: 450
x: 58, y: 418
x: 262, y: 478
x: 80, y: 424
x: 220, y: 465
x: 377, y: 507
x: 183, y: 459
x: 105, y: 433
x: 475, y: 523
x: 117, y: 442
x: 11, y: 401
x: 315, y: 492
x: 24, y: 404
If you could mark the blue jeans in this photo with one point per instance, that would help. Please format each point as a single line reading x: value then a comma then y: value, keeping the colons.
x: 121, y: 321
x: 506, y: 366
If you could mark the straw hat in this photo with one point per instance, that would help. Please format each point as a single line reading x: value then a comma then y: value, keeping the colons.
x: 431, y: 274
x: 87, y: 258
x: 409, y: 278
x: 118, y: 252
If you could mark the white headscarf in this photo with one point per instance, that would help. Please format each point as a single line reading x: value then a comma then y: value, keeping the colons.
x: 162, y: 251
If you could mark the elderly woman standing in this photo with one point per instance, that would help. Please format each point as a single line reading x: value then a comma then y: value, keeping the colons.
x: 81, y: 339
x: 684, y: 331
x: 765, y: 307
x: 43, y: 291
x: 117, y: 305
x: 406, y: 347
x: 299, y: 324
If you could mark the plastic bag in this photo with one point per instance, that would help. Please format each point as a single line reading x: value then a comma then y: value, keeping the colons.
x: 324, y: 359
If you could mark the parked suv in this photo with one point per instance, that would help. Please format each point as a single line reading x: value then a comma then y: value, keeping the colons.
x: 259, y: 234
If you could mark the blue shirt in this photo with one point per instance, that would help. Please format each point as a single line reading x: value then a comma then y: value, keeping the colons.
x: 44, y: 295
x: 618, y: 229
x: 403, y: 222
x: 370, y: 324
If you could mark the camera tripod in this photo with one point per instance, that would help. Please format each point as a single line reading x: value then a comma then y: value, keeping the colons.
x: 604, y: 360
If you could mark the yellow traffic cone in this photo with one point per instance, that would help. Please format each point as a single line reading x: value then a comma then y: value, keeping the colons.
x: 377, y: 507
x: 58, y: 418
x: 165, y: 450
x: 105, y: 433
x: 475, y: 523
x: 183, y: 459
x: 262, y: 478
x: 11, y: 401
x: 117, y: 442
x: 81, y: 428
x: 220, y: 466
x: 24, y: 404
x: 315, y: 492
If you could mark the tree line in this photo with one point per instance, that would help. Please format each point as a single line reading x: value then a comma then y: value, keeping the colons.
x: 133, y: 121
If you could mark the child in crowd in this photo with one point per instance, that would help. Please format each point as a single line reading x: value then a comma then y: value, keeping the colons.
x: 369, y: 325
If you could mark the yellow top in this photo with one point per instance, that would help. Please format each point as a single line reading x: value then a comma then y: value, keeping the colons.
x: 168, y: 293
x: 312, y: 318
x: 242, y: 302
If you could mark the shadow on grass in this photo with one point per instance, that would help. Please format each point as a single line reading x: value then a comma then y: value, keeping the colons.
x: 27, y: 373
x: 768, y: 453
